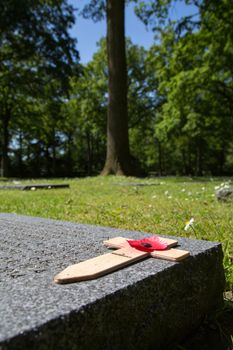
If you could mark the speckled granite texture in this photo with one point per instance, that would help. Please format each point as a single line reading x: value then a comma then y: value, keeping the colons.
x: 148, y: 305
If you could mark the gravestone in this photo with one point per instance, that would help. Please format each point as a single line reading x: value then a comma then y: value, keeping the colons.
x: 33, y: 186
x: 150, y: 304
x: 137, y: 184
x: 225, y: 194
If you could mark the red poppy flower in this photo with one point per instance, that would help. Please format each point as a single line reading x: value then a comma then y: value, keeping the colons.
x: 148, y: 244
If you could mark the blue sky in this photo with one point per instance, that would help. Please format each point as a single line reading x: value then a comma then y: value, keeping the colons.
x: 88, y: 33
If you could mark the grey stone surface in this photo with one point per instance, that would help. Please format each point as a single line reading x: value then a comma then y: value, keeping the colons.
x: 150, y: 304
x: 224, y: 194
x: 136, y: 184
x: 33, y: 186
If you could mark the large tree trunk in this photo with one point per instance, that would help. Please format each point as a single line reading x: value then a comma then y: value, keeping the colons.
x: 118, y: 160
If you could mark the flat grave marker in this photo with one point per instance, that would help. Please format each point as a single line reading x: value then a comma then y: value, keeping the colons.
x: 27, y: 187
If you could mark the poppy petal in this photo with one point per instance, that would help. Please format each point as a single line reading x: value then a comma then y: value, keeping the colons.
x: 148, y: 244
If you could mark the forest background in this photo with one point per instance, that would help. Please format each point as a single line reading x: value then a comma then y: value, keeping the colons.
x: 180, y: 92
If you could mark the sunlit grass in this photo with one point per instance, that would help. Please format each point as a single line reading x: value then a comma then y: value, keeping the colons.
x: 163, y: 206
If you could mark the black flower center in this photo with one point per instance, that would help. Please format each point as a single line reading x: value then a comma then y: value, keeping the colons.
x: 146, y: 245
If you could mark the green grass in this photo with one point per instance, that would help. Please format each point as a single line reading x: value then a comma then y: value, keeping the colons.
x: 163, y: 208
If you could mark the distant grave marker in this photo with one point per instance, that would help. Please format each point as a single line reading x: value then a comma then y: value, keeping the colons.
x: 136, y: 184
x: 33, y: 187
x: 225, y: 194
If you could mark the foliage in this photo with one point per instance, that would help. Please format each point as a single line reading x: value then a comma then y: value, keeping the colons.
x: 36, y: 50
x: 180, y: 91
x: 195, y: 75
x: 88, y: 107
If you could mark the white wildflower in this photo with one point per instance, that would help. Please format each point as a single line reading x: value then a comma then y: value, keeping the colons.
x: 223, y: 185
x: 226, y: 185
x: 189, y: 224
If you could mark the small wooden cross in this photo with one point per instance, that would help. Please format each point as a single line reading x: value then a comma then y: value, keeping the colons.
x: 123, y: 256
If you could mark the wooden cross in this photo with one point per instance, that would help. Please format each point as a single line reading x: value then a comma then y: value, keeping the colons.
x: 123, y: 256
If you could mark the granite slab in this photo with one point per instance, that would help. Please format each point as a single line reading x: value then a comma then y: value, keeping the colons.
x: 33, y: 186
x: 150, y: 304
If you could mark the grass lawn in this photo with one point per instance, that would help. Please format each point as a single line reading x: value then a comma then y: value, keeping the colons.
x: 163, y: 205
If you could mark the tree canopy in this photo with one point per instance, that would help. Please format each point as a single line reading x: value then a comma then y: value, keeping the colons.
x: 179, y: 91
x: 35, y: 51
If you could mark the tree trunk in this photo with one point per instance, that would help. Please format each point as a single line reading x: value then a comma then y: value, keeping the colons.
x: 160, y: 158
x: 89, y: 153
x: 54, y: 154
x: 5, y: 145
x: 48, y: 161
x: 68, y: 150
x: 20, y: 154
x: 118, y: 160
x: 198, y: 167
